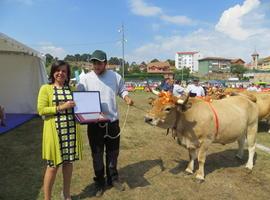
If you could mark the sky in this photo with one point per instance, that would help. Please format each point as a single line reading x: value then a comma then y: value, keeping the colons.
x: 152, y: 28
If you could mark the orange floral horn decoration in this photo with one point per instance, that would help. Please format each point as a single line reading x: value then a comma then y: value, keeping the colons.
x: 166, y: 97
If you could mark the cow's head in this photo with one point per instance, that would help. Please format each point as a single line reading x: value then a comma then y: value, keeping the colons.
x: 165, y: 109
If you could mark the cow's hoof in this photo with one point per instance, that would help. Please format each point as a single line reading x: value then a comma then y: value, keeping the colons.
x: 187, y: 173
x: 200, y: 181
x: 247, y: 170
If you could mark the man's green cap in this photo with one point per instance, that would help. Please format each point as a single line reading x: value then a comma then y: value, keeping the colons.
x: 99, y: 55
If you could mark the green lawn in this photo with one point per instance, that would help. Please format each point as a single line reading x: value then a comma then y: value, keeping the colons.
x: 150, y: 166
x: 264, y: 138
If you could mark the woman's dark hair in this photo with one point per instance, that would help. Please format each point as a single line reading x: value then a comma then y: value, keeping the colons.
x: 55, y: 67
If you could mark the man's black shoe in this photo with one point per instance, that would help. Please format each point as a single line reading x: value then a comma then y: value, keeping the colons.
x: 117, y: 185
x: 99, y: 191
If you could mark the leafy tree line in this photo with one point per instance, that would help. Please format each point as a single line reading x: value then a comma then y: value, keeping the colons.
x: 130, y: 68
x: 112, y: 61
x: 238, y: 70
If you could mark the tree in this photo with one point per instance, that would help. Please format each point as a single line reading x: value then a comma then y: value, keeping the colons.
x: 143, y: 63
x: 154, y: 60
x: 136, y: 69
x: 115, y: 61
x: 69, y: 58
x: 77, y: 57
x: 171, y: 62
x: 49, y: 58
x: 85, y: 57
x: 133, y: 64
x: 182, y: 74
x: 143, y: 67
x: 238, y: 70
x: 126, y: 66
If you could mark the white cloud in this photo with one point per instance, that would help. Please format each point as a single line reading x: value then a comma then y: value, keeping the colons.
x: 47, y: 47
x: 239, y: 31
x: 208, y: 42
x: 180, y: 20
x: 232, y: 21
x: 139, y: 7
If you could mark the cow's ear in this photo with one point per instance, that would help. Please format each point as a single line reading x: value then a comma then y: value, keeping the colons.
x: 151, y: 100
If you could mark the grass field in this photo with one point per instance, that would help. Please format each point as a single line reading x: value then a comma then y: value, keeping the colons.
x: 263, y: 137
x: 150, y: 166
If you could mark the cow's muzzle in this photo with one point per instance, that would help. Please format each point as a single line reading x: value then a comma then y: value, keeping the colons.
x: 148, y: 119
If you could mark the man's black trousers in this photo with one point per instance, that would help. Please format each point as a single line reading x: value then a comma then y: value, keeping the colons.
x: 96, y: 133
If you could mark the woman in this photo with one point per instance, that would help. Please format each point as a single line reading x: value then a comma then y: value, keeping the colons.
x: 61, y: 138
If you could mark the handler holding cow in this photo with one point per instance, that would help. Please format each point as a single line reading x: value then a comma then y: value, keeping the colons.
x: 110, y: 84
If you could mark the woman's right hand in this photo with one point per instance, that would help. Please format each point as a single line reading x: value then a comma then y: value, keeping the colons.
x: 66, y: 105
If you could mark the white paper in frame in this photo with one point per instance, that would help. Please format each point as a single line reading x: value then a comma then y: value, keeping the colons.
x: 87, y: 102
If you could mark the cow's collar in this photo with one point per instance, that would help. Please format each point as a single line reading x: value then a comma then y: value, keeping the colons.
x: 215, y: 115
x: 205, y: 98
x: 209, y: 101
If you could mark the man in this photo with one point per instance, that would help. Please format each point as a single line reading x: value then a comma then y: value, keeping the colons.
x: 178, y: 90
x: 195, y: 89
x: 110, y: 84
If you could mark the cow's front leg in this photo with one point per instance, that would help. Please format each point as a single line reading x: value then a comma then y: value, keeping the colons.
x: 192, y: 157
x: 201, y: 159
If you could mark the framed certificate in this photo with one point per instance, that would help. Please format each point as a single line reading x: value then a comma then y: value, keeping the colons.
x: 88, y: 107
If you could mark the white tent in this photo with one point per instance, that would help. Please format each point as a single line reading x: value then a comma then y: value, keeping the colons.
x: 22, y: 72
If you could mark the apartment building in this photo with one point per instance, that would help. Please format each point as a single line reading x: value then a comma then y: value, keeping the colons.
x: 188, y: 60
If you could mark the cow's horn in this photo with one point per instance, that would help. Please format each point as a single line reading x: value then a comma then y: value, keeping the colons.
x: 155, y: 92
x: 180, y: 101
x: 183, y: 102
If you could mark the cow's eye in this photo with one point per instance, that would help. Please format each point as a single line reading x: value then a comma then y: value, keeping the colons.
x: 168, y: 109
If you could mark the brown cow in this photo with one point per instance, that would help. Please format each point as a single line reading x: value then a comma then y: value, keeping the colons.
x: 263, y: 103
x: 198, y: 124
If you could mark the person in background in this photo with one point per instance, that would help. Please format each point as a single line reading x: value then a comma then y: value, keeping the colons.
x: 178, y: 90
x: 110, y: 84
x: 61, y: 143
x: 252, y: 88
x: 259, y: 88
x: 166, y: 85
x: 195, y: 89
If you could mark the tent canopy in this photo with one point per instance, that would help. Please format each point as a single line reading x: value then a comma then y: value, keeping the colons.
x: 22, y: 72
